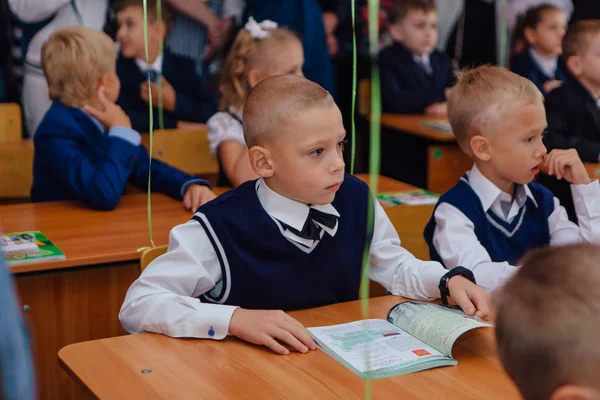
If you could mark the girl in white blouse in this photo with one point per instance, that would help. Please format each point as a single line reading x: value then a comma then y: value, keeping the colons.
x: 260, y: 50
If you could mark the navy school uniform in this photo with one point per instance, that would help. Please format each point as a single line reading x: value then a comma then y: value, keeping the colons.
x: 503, y: 241
x: 254, y: 275
x: 76, y: 160
x: 524, y: 65
x: 194, y: 102
x: 406, y: 86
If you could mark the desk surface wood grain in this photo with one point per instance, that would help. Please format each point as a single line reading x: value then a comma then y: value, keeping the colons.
x: 231, y: 369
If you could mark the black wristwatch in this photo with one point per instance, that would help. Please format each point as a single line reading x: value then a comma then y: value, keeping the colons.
x: 462, y: 271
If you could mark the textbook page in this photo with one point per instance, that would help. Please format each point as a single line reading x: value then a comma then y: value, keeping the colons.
x: 436, y: 325
x: 377, y: 346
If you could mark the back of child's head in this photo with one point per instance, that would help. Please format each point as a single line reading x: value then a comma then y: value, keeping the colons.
x: 578, y: 37
x: 481, y: 96
x: 275, y: 101
x: 401, y: 8
x: 256, y: 46
x: 74, y: 59
x: 530, y: 20
x: 548, y: 319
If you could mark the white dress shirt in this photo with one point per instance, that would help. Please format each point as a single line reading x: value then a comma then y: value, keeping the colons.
x: 547, y: 65
x: 155, y: 66
x: 164, y: 299
x: 425, y: 61
x: 456, y: 243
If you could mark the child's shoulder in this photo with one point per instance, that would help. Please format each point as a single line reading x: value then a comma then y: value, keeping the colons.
x: 60, y: 120
x: 542, y: 195
x: 461, y: 195
x: 231, y: 199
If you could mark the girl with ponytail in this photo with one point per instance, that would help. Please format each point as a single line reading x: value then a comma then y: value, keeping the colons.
x: 259, y: 51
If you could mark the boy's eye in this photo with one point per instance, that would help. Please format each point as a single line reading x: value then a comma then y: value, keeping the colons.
x: 316, y: 152
x: 529, y: 139
x: 342, y: 144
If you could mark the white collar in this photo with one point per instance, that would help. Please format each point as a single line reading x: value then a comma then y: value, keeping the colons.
x: 547, y: 65
x: 290, y: 212
x: 488, y: 193
x: 155, y: 66
x: 235, y: 111
x: 423, y: 58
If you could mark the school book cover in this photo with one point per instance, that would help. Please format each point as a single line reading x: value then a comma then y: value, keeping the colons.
x: 24, y: 247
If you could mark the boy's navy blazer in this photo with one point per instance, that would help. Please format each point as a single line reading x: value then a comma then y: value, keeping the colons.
x: 406, y: 87
x: 75, y: 160
x: 194, y: 102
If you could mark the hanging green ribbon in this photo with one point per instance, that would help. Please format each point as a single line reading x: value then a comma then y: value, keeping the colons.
x: 151, y: 124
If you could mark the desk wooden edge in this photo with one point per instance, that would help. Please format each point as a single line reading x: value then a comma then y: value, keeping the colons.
x: 427, y: 133
x: 72, y: 373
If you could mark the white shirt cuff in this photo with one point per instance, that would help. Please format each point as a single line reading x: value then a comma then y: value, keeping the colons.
x: 127, y: 134
x: 586, y: 199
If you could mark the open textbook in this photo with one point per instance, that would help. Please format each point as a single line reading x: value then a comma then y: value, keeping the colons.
x: 417, y: 197
x: 415, y: 337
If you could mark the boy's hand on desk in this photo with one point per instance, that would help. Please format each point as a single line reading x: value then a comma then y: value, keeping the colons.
x: 269, y: 328
x: 112, y: 115
x: 470, y: 297
x: 437, y: 109
x: 197, y: 195
x: 566, y: 164
x: 168, y: 94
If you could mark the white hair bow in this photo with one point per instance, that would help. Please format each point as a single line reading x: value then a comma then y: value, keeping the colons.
x: 260, y: 30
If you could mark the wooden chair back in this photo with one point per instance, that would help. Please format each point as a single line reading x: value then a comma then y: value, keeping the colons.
x: 185, y: 149
x: 10, y: 122
x: 150, y: 255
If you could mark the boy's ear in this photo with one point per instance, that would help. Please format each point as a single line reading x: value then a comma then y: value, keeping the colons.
x: 529, y: 36
x: 160, y: 28
x: 480, y: 146
x: 573, y: 392
x: 261, y: 161
x: 574, y: 65
x: 395, y: 31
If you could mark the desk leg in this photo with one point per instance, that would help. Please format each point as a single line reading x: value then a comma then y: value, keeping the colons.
x: 70, y: 306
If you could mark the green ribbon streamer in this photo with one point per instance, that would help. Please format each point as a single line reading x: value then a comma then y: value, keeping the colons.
x: 151, y: 124
x: 374, y: 157
x: 353, y: 111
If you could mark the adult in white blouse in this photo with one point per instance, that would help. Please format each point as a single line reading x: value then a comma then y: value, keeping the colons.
x: 92, y: 13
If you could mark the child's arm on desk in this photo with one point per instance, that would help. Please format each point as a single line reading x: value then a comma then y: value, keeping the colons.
x: 404, y: 275
x: 164, y: 299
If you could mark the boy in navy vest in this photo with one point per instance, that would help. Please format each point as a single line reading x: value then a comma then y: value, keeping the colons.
x: 85, y: 148
x: 494, y: 214
x: 186, y: 98
x: 415, y: 76
x: 292, y: 239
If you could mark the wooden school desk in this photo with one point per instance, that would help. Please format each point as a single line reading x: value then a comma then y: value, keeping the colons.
x: 422, y: 156
x: 78, y: 299
x: 593, y: 170
x: 151, y: 366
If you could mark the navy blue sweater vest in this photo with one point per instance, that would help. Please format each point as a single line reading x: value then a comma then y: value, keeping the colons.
x: 503, y: 241
x: 264, y: 270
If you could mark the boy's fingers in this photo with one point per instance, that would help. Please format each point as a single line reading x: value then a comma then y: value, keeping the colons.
x: 463, y: 301
x: 286, y: 337
x: 186, y: 200
x: 276, y: 347
x: 480, y: 299
x: 299, y: 331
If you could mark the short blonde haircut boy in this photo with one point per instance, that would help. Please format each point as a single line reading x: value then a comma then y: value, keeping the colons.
x: 74, y: 59
x: 577, y: 39
x: 481, y: 96
x: 276, y: 100
x: 548, y: 319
